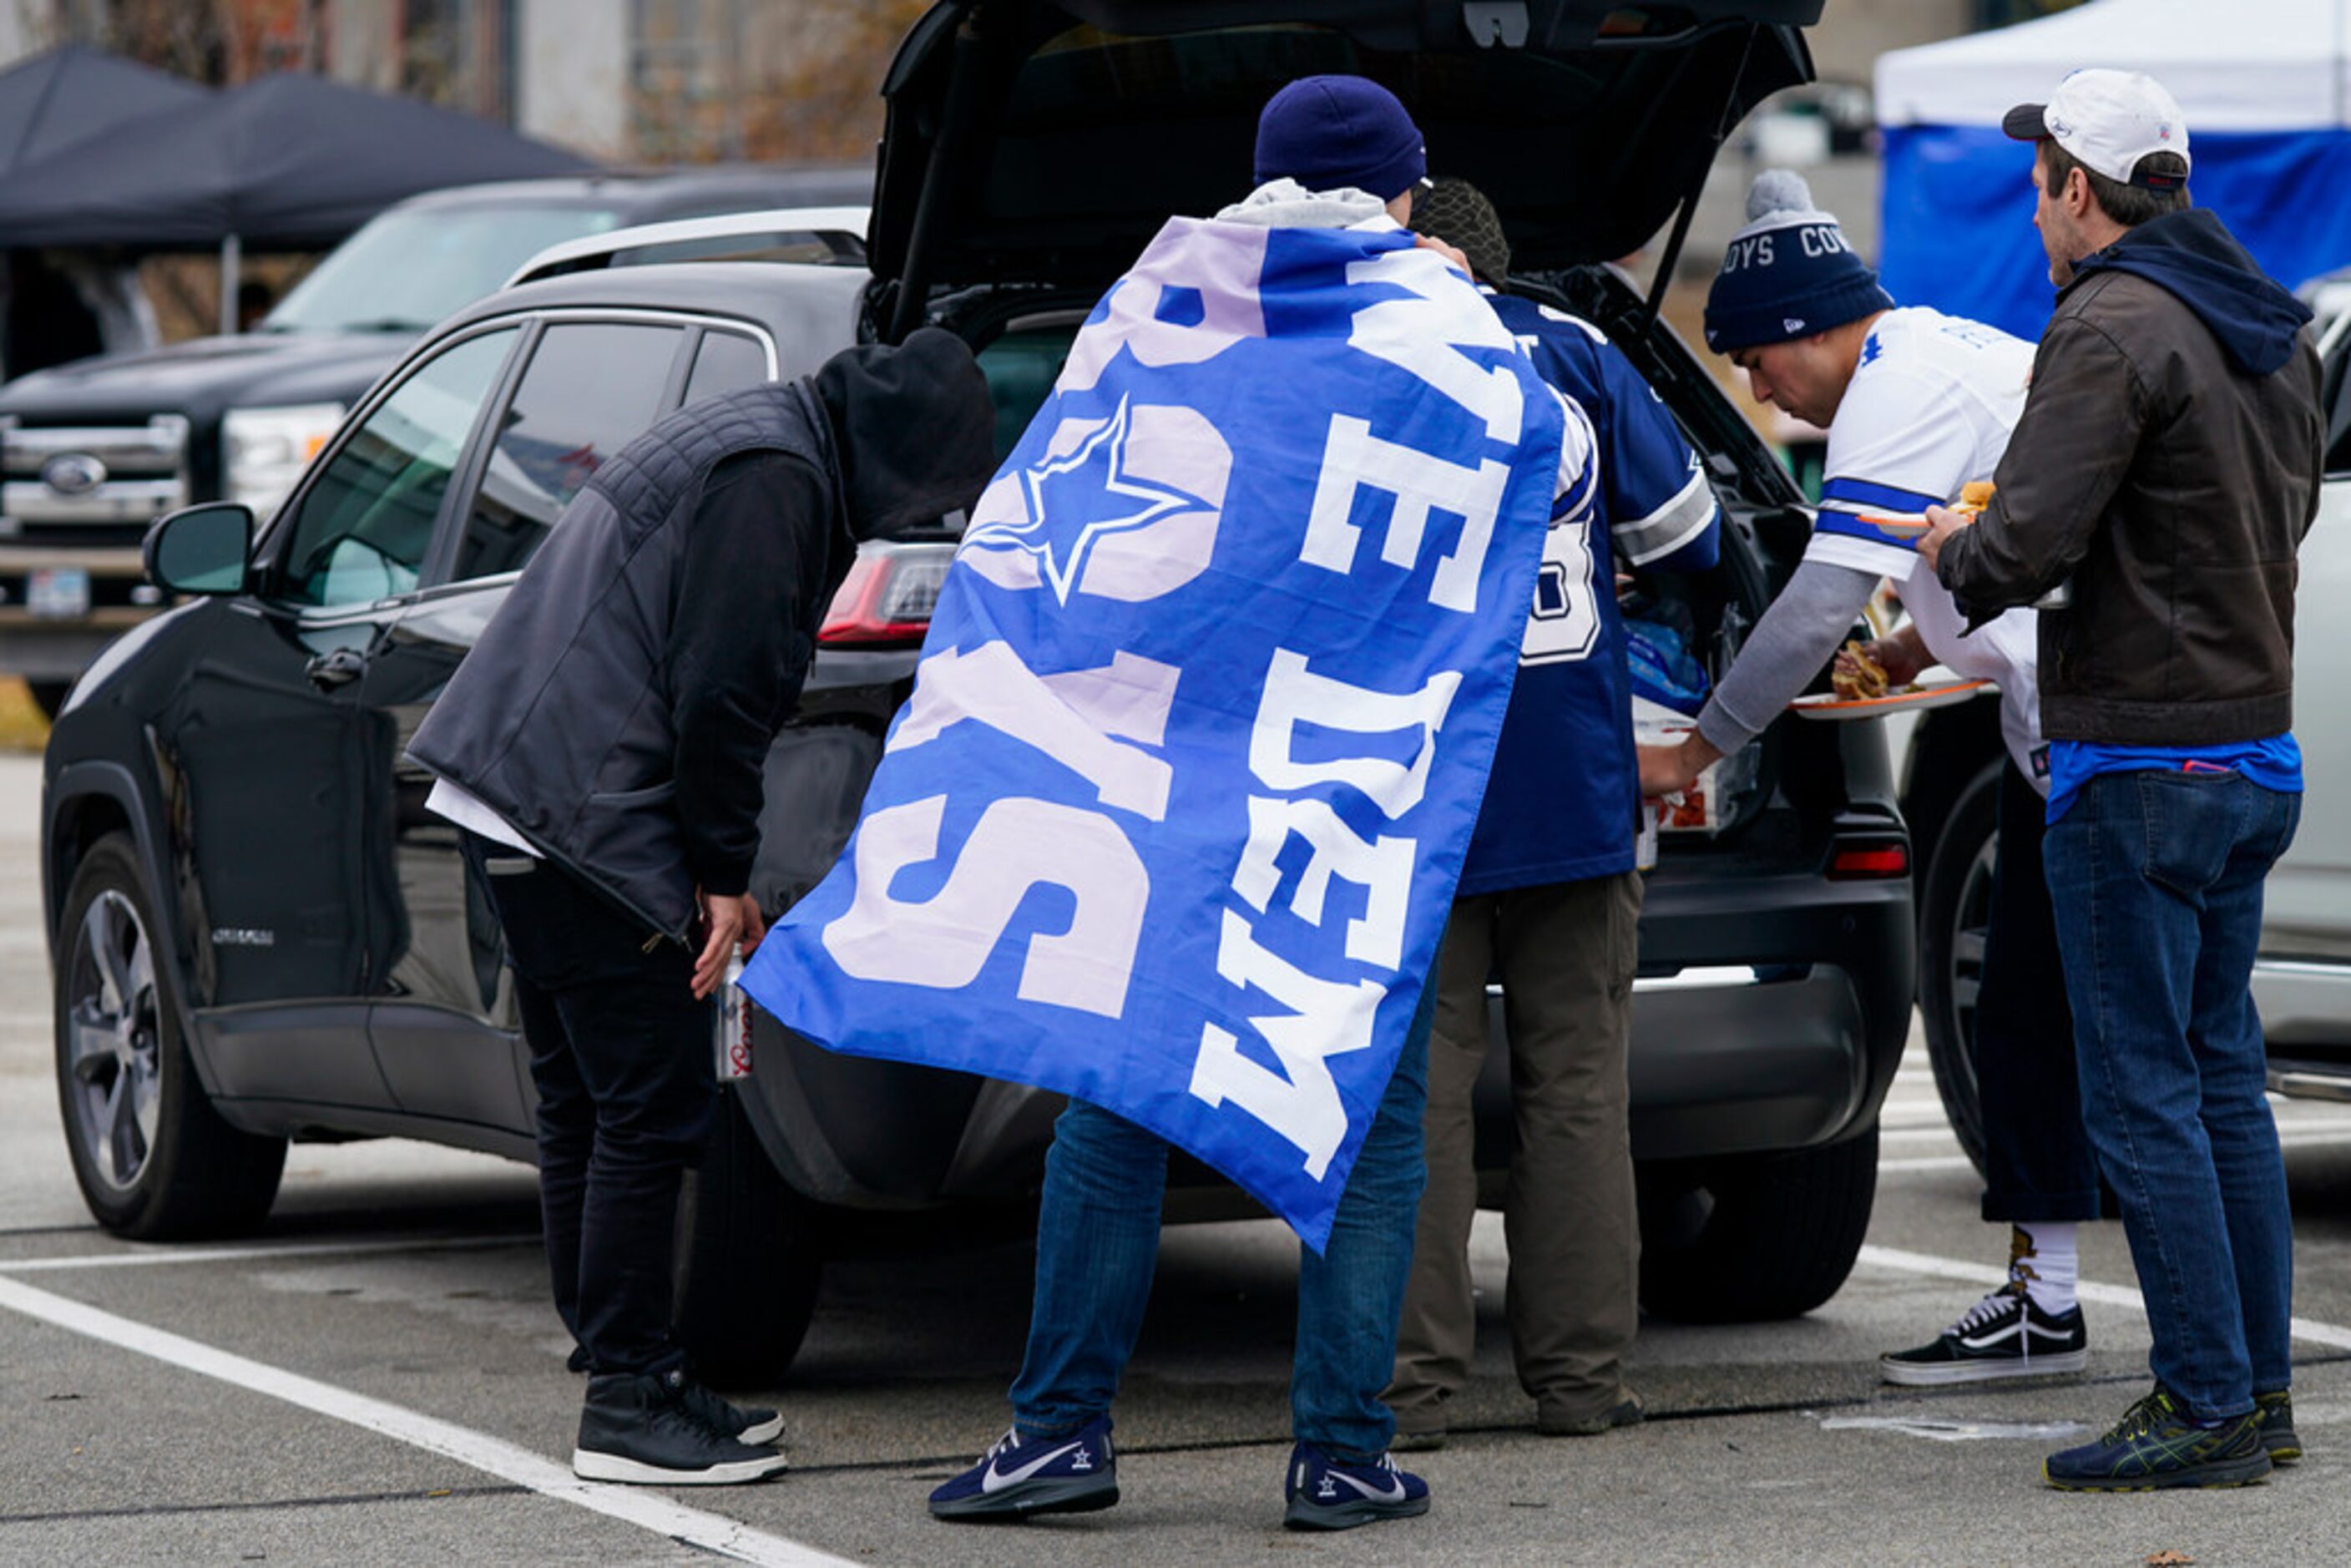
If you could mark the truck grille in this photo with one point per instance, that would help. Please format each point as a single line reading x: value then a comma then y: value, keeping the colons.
x: 59, y: 482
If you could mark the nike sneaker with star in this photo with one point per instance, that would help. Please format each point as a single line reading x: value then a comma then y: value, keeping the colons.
x: 1326, y: 1492
x: 1074, y: 1472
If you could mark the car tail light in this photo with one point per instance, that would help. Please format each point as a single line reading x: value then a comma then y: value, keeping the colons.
x: 888, y: 596
x: 1869, y: 861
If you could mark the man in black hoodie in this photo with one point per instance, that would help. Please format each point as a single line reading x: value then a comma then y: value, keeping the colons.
x: 2166, y: 466
x: 601, y: 747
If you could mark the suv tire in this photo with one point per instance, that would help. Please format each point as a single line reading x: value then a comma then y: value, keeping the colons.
x: 1767, y: 1236
x: 748, y: 1260
x: 1954, y: 907
x: 154, y: 1159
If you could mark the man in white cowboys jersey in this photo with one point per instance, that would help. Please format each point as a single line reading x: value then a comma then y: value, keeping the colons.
x: 1916, y: 404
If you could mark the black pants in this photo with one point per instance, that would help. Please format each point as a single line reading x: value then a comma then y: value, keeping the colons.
x: 621, y: 1052
x: 2038, y: 1163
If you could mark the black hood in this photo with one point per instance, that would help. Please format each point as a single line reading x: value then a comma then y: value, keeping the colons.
x: 915, y: 429
x: 2192, y: 256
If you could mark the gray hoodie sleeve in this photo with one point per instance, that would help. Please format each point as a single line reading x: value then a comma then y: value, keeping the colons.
x: 1785, y: 650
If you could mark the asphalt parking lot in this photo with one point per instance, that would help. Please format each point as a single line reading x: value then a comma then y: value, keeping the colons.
x: 378, y: 1377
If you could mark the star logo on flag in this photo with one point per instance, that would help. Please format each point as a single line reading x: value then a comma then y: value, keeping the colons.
x: 1081, y: 496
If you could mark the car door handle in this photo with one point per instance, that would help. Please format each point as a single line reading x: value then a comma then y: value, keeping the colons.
x: 336, y: 668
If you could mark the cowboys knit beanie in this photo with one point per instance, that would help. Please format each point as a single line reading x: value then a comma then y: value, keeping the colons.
x: 1333, y: 132
x: 1788, y: 273
x: 1457, y: 211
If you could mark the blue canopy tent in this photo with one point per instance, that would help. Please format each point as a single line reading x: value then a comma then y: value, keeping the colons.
x: 2263, y: 85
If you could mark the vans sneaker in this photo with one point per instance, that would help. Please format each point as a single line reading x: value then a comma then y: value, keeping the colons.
x: 639, y: 1428
x: 1327, y: 1493
x: 1024, y: 1476
x: 2006, y: 1334
x: 2158, y: 1444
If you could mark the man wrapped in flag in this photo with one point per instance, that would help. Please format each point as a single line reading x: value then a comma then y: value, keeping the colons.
x: 1172, y: 819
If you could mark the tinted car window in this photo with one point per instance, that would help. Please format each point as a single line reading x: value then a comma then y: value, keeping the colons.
x: 1021, y: 368
x: 591, y: 386
x: 726, y: 361
x: 360, y: 531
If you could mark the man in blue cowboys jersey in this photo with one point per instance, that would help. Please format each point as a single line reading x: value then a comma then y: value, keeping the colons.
x: 1549, y: 900
x: 1916, y: 404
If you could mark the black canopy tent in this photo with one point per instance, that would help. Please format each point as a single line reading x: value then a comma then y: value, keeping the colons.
x: 64, y: 94
x: 284, y: 162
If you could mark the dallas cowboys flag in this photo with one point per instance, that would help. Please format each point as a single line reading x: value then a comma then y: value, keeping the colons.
x: 1173, y: 820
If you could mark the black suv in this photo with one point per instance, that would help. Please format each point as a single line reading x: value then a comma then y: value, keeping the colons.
x: 259, y: 932
x: 93, y: 452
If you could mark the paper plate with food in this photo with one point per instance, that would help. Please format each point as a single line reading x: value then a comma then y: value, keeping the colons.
x: 1859, y: 689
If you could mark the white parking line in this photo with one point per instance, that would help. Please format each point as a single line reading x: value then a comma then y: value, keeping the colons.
x: 146, y: 1256
x: 492, y: 1456
x: 2106, y: 1295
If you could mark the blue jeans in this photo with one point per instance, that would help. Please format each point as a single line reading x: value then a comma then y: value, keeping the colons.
x: 1098, y: 1243
x: 2156, y: 877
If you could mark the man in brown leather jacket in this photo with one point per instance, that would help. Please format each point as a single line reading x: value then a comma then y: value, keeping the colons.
x: 2166, y: 468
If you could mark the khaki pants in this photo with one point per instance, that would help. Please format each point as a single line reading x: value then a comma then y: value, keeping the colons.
x: 1565, y: 954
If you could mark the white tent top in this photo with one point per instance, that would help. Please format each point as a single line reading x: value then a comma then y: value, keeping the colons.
x: 2233, y: 65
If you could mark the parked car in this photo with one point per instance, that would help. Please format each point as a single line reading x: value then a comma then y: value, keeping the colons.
x: 2302, y: 977
x: 259, y: 934
x: 91, y: 453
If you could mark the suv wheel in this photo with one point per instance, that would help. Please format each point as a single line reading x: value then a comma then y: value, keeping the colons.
x: 153, y: 1158
x: 748, y: 1260
x: 1766, y: 1236
x: 1954, y: 909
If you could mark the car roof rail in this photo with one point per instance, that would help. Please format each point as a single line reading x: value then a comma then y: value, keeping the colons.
x: 820, y: 237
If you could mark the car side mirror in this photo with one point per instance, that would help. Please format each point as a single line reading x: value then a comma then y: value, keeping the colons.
x: 201, y: 549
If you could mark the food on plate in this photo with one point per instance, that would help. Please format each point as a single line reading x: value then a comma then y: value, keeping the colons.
x: 1861, y: 679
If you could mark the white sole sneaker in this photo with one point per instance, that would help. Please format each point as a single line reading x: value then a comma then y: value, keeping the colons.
x: 590, y: 1466
x: 1934, y: 1374
x: 767, y: 1431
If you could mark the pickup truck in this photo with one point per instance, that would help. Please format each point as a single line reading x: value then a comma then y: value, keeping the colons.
x: 93, y: 452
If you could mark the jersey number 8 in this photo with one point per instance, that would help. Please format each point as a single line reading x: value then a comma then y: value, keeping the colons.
x: 1565, y: 623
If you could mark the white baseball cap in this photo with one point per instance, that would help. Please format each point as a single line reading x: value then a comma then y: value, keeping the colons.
x: 2109, y: 120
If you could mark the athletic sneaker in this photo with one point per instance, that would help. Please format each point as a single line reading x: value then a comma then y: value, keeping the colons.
x: 2006, y: 1334
x: 1019, y: 1476
x: 2275, y: 1413
x: 2157, y: 1444
x: 754, y: 1426
x: 640, y: 1427
x: 1327, y: 1493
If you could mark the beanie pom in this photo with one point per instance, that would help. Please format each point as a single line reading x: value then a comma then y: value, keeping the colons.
x: 1778, y: 191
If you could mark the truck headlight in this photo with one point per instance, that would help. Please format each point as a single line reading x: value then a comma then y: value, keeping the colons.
x: 265, y: 450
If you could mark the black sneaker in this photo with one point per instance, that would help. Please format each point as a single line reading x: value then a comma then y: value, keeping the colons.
x: 1329, y: 1493
x: 637, y: 1426
x: 2155, y: 1444
x: 754, y: 1426
x: 2006, y: 1334
x: 2274, y: 1413
x: 1020, y: 1478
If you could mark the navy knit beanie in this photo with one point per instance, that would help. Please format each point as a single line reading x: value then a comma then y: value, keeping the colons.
x: 1329, y: 131
x: 1788, y: 273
